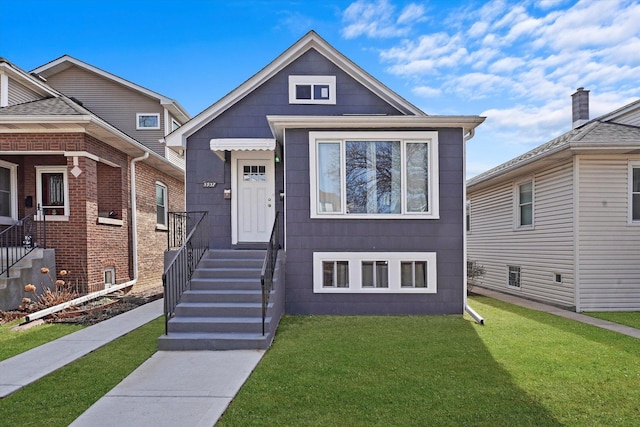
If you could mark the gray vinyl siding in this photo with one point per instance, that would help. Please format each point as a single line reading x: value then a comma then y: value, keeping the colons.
x: 609, y: 255
x: 19, y: 94
x: 247, y: 119
x: 542, y: 252
x: 113, y: 102
x: 632, y: 118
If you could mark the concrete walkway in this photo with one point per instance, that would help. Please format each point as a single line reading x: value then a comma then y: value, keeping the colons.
x: 34, y: 364
x: 604, y: 324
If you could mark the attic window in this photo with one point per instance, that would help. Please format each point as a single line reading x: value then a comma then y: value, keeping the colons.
x: 147, y: 121
x: 312, y: 90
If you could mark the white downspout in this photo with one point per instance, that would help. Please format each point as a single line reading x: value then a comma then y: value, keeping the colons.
x: 134, y: 222
x: 468, y: 309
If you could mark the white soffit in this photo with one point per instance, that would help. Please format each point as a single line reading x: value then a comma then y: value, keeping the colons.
x: 220, y: 145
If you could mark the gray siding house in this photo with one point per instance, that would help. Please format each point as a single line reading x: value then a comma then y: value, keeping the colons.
x: 369, y: 189
x: 561, y: 223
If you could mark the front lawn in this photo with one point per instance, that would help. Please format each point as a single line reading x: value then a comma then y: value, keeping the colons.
x: 62, y: 396
x: 629, y: 318
x: 522, y: 368
x: 16, y: 342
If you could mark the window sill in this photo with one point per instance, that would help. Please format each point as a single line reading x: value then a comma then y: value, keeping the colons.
x: 53, y: 218
x: 524, y: 228
x: 160, y: 227
x: 390, y: 290
x: 7, y: 221
x: 374, y: 216
x: 109, y: 221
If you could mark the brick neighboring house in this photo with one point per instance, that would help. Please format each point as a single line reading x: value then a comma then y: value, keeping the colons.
x: 104, y: 192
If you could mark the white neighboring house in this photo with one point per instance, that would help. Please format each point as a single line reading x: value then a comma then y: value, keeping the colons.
x: 561, y: 223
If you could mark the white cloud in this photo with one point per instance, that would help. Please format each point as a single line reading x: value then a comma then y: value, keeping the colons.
x: 376, y: 19
x: 426, y: 91
x: 519, y: 61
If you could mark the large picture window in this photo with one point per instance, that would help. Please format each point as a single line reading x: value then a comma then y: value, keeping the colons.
x: 53, y: 191
x: 374, y: 174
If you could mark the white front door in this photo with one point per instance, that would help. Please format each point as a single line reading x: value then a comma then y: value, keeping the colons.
x: 255, y: 191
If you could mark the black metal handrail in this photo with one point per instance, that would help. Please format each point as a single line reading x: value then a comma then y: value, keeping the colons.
x: 177, y: 276
x: 179, y: 226
x: 18, y: 240
x: 268, y: 267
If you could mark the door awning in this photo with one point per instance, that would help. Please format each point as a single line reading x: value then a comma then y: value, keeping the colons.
x: 220, y: 145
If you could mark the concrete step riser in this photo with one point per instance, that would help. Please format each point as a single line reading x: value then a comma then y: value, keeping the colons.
x: 219, y: 297
x: 200, y: 284
x: 252, y: 255
x: 218, y: 311
x: 186, y: 344
x: 210, y: 327
x: 231, y: 263
x: 227, y: 273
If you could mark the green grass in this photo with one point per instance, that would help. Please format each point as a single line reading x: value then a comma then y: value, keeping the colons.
x: 629, y: 318
x: 59, y: 398
x: 523, y: 368
x: 16, y: 342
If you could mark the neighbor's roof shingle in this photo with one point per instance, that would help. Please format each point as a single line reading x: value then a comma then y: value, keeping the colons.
x: 43, y: 107
x: 593, y: 132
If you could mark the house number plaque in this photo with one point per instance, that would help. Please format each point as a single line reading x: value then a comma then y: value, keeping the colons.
x: 209, y: 184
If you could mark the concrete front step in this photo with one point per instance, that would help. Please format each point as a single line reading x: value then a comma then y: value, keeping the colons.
x: 203, y: 284
x: 179, y: 325
x: 227, y: 273
x: 218, y: 309
x: 234, y: 254
x: 232, y: 262
x: 214, y: 341
x: 223, y: 295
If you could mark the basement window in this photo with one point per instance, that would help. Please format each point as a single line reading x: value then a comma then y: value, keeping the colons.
x: 514, y: 277
x: 109, y: 277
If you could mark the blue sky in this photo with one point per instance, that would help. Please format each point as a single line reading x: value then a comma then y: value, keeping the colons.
x: 515, y: 62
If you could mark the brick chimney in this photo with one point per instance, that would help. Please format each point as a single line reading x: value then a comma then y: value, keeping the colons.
x: 580, y: 107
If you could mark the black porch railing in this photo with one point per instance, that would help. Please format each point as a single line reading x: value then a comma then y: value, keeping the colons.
x: 177, y: 276
x: 180, y: 225
x: 19, y: 239
x: 268, y: 267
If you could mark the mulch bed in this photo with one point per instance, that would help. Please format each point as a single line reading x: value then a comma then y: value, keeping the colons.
x: 91, y: 312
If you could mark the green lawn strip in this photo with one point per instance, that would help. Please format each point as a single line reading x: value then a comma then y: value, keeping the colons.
x: 59, y: 398
x: 628, y: 318
x: 522, y: 368
x: 16, y: 342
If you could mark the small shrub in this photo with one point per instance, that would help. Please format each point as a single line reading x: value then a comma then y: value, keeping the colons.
x: 474, y: 272
x: 62, y: 292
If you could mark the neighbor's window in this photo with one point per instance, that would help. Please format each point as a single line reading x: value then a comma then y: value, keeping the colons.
x: 8, y: 192
x: 634, y: 194
x: 161, y: 205
x: 52, y: 190
x: 312, y: 89
x: 514, y: 276
x: 109, y: 276
x: 467, y: 215
x: 174, y: 125
x: 148, y: 121
x: 524, y: 212
x: 374, y: 174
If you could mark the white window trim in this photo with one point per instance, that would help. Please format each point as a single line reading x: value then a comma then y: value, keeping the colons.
x: 429, y: 137
x: 519, y: 277
x: 53, y: 169
x: 138, y: 127
x: 13, y: 200
x: 635, y: 164
x: 516, y: 205
x: 355, y: 260
x: 161, y: 226
x: 312, y: 80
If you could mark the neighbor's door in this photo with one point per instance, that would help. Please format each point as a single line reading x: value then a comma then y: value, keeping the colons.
x: 256, y: 203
